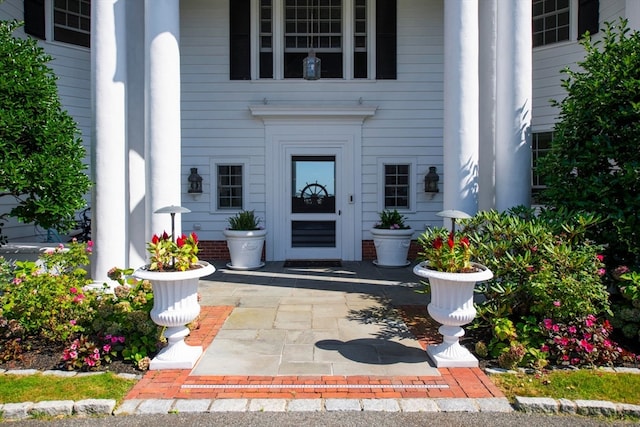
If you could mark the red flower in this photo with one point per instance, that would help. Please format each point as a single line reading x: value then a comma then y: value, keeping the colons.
x: 155, y: 239
x: 437, y: 243
x: 451, y: 242
x: 194, y: 236
x: 465, y: 242
x: 181, y: 241
x: 165, y: 236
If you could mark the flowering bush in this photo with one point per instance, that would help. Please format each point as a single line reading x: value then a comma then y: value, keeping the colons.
x: 446, y: 251
x: 583, y: 342
x: 170, y: 255
x: 83, y: 354
x: 391, y: 220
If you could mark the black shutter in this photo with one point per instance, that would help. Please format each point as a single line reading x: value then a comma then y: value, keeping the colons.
x: 240, y: 39
x: 34, y: 18
x: 386, y: 39
x: 588, y: 17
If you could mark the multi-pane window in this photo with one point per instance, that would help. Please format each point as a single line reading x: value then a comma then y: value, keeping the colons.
x: 338, y: 31
x: 396, y: 186
x: 551, y: 19
x: 72, y: 21
x: 317, y: 25
x: 230, y: 186
x: 540, y: 147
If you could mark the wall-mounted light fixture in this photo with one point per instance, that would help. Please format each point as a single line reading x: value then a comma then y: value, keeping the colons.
x: 195, y: 183
x: 431, y: 181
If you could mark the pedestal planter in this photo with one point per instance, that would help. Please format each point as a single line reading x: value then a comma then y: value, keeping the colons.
x: 392, y: 246
x: 245, y: 248
x: 175, y: 304
x: 452, y: 306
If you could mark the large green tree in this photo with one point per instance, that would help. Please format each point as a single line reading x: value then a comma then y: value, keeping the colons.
x: 594, y: 162
x: 41, y: 154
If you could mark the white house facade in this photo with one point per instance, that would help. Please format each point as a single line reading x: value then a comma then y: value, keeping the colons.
x: 172, y: 91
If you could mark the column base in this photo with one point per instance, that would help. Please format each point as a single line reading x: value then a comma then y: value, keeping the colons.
x: 178, y: 356
x: 443, y: 356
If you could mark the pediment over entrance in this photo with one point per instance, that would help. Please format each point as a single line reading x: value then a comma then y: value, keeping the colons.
x: 275, y: 112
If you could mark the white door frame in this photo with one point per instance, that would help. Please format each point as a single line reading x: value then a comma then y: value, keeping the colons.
x: 300, y: 126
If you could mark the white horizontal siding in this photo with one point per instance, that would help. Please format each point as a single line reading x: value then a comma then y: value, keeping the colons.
x: 216, y: 119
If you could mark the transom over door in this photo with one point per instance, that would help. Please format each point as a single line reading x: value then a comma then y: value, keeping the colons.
x: 313, y: 215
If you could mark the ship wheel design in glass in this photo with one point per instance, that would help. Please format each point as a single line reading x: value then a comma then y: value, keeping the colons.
x: 314, y: 193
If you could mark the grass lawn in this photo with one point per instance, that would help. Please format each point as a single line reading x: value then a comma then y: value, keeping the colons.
x: 36, y: 388
x: 589, y: 384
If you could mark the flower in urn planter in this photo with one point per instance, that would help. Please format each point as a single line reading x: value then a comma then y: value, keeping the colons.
x: 169, y: 255
x: 446, y: 251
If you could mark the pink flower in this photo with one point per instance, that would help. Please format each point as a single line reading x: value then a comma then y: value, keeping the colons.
x: 89, y: 361
x: 72, y: 322
x: 575, y: 361
x: 587, y: 347
x: 556, y: 303
x: 106, y: 348
x: 544, y: 348
x: 73, y: 290
x: 547, y: 323
x: 601, y: 272
x: 565, y: 357
x: 590, y: 321
x: 600, y: 257
x: 572, y: 329
x: 17, y: 280
x: 555, y: 328
x: 73, y: 354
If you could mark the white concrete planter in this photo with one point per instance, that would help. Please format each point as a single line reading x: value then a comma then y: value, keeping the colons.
x: 175, y: 304
x: 392, y: 247
x: 245, y: 248
x: 452, y: 306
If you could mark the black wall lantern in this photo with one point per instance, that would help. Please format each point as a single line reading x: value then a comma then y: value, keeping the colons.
x: 195, y: 182
x: 431, y: 181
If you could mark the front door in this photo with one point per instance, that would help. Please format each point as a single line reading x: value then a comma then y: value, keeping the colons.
x: 312, y: 204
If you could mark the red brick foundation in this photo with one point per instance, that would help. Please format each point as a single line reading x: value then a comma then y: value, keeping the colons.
x: 217, y: 250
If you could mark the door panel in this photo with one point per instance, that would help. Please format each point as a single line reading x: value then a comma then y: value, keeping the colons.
x: 313, y: 220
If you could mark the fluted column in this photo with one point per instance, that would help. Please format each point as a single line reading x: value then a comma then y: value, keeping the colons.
x: 461, y: 105
x: 162, y: 152
x: 514, y: 103
x: 109, y: 160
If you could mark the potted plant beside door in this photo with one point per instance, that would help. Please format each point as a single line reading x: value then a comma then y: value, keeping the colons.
x: 452, y: 277
x: 391, y: 238
x: 245, y: 240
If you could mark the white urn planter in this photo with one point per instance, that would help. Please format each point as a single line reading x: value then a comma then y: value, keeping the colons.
x: 175, y: 304
x: 452, y: 306
x: 245, y: 248
x: 392, y: 246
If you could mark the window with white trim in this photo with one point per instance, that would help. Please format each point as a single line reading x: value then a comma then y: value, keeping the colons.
x: 339, y: 31
x: 230, y: 186
x: 556, y: 21
x: 397, y: 186
x: 70, y: 20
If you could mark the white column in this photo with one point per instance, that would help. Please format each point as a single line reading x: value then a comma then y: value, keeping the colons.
x: 514, y: 88
x: 487, y: 98
x: 108, y: 69
x: 461, y: 105
x: 162, y: 153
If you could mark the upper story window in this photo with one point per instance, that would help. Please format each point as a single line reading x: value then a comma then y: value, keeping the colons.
x: 72, y: 21
x: 556, y: 21
x: 339, y: 32
x: 67, y: 21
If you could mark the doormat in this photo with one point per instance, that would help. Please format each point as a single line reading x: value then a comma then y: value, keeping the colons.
x: 305, y: 263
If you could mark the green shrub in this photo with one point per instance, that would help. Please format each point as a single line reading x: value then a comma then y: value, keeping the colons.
x: 594, y: 161
x: 544, y: 266
x: 41, y: 154
x: 244, y: 221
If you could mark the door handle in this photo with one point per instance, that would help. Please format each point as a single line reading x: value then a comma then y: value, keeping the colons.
x: 339, y: 212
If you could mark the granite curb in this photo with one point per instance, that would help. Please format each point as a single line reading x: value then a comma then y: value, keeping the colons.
x: 104, y: 407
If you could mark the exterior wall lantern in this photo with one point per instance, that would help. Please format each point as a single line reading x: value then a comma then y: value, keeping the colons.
x: 195, y: 183
x: 431, y: 181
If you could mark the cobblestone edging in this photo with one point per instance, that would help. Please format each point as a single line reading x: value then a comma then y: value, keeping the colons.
x: 92, y: 407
